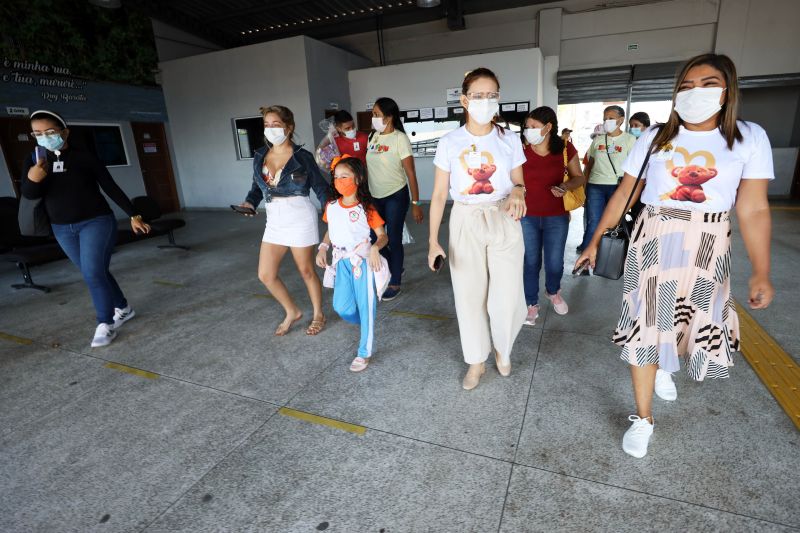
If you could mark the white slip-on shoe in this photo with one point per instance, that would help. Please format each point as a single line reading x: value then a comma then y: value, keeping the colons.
x: 103, y: 335
x: 533, y: 314
x: 635, y: 440
x: 122, y: 315
x: 665, y: 387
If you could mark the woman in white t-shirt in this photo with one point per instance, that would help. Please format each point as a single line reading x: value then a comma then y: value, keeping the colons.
x: 481, y: 165
x: 677, y: 300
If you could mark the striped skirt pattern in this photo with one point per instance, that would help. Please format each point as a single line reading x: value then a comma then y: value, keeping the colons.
x: 677, y: 300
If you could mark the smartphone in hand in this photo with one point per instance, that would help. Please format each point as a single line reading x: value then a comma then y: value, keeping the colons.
x: 39, y: 154
x: 560, y: 189
x: 580, y: 268
x: 243, y: 210
x: 438, y: 263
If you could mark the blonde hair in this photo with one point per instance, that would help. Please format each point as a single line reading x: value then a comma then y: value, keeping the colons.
x: 730, y: 109
x: 284, y: 113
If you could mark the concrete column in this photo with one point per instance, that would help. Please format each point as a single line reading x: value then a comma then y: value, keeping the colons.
x: 549, y: 88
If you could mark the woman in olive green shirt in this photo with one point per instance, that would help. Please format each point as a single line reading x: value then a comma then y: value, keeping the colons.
x: 390, y: 164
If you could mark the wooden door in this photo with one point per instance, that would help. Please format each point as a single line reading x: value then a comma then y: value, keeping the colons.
x: 159, y: 181
x: 17, y: 145
x: 364, y: 121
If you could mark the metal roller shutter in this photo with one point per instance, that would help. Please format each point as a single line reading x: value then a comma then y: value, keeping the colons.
x: 593, y: 85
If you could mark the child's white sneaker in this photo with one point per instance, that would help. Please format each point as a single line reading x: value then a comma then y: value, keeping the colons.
x: 665, y: 387
x: 636, y: 439
x: 103, y: 335
x: 122, y: 315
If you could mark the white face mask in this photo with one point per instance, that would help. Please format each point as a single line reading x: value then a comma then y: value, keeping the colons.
x: 533, y: 135
x: 699, y: 104
x: 350, y: 134
x: 610, y: 125
x: 482, y: 111
x: 275, y: 135
x: 378, y: 125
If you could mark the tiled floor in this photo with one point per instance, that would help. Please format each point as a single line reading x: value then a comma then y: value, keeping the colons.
x: 202, y: 447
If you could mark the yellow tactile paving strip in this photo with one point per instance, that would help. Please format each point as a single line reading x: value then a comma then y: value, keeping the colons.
x: 131, y: 370
x: 321, y: 420
x: 14, y: 338
x: 777, y: 370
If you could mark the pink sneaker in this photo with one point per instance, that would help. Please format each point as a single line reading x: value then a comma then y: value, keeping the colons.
x: 533, y: 314
x: 558, y: 303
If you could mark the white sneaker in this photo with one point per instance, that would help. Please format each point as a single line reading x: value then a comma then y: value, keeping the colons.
x: 665, y: 387
x: 103, y: 335
x: 122, y: 315
x: 533, y: 314
x: 635, y: 440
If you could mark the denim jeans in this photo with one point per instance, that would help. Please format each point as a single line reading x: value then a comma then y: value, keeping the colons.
x: 393, y: 210
x: 89, y: 244
x: 548, y: 234
x: 597, y: 197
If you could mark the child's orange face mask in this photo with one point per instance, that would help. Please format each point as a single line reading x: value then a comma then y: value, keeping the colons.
x: 345, y: 186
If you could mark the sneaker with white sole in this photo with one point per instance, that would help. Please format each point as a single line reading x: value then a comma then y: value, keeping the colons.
x: 122, y: 315
x: 665, y: 387
x: 636, y: 439
x: 559, y: 305
x: 533, y: 314
x: 103, y: 335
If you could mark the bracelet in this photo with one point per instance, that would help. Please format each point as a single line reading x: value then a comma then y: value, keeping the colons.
x: 137, y: 218
x: 415, y: 202
x: 323, y: 246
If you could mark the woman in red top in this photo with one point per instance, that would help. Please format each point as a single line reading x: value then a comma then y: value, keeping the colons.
x: 546, y: 224
x: 350, y: 141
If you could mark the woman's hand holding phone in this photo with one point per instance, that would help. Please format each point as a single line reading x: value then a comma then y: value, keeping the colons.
x: 245, y: 208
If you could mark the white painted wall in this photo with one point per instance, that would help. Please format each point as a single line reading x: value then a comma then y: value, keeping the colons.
x: 204, y: 93
x: 327, y: 68
x: 760, y: 35
x: 665, y: 31
x: 424, y: 84
x: 172, y: 43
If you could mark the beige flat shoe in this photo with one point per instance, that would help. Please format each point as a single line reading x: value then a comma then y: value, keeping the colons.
x: 505, y: 370
x: 473, y: 376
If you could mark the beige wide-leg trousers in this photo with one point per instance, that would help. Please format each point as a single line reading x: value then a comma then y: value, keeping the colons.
x: 486, y: 261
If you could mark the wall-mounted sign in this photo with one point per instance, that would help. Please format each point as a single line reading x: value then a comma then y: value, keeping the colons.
x: 452, y: 95
x: 149, y: 148
x: 633, y: 46
x: 18, y: 111
x: 426, y: 113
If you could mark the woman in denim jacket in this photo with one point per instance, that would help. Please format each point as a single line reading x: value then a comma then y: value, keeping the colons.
x: 283, y: 174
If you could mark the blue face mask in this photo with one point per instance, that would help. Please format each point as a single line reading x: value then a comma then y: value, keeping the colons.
x: 51, y: 142
x: 636, y: 132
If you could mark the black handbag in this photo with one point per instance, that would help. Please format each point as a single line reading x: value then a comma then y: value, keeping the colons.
x: 32, y: 216
x: 613, y: 248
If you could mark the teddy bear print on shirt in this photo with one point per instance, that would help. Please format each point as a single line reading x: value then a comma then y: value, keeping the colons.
x: 481, y: 176
x: 691, y: 178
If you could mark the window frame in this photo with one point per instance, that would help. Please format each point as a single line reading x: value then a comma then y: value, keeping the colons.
x: 118, y: 125
x: 236, y: 145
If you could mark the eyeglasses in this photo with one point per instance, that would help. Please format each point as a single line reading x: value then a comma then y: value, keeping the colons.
x: 483, y: 96
x: 47, y: 133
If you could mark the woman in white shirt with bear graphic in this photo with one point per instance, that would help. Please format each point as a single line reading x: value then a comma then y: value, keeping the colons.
x: 481, y: 165
x: 677, y: 298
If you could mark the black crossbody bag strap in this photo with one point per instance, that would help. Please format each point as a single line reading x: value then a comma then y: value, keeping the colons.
x: 610, y: 161
x: 636, y: 184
